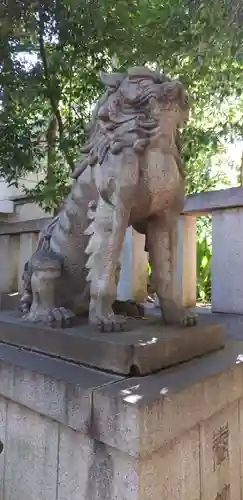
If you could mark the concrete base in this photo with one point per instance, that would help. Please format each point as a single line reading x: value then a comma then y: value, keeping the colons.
x: 145, y: 347
x: 71, y: 432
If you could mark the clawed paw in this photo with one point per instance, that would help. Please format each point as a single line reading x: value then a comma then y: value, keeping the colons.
x: 112, y: 323
x: 59, y: 317
x: 180, y: 316
x: 190, y: 319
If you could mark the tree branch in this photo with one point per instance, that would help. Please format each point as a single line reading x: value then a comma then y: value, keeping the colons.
x: 53, y: 101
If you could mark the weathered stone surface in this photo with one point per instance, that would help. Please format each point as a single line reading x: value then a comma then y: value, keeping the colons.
x: 134, y: 142
x: 161, y: 347
x: 75, y: 458
x: 227, y: 261
x: 241, y: 439
x: 126, y: 483
x: 134, y: 262
x: 187, y: 260
x: 173, y: 427
x: 9, y: 258
x: 233, y: 322
x: 146, y: 347
x: 208, y: 202
x: 59, y: 390
x: 90, y: 470
x: 31, y: 453
x: 26, y: 226
x: 3, y: 412
x: 93, y: 471
x: 140, y: 415
x: 9, y: 301
x: 173, y: 471
x: 220, y: 455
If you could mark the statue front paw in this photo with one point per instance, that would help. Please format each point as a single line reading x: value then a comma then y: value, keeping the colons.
x: 58, y: 317
x: 108, y: 323
x: 189, y: 319
x: 179, y: 316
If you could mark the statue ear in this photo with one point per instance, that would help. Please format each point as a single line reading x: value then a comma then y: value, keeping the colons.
x: 111, y: 80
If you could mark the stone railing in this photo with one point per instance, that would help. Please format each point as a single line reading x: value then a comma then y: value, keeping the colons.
x: 18, y: 241
x: 226, y: 208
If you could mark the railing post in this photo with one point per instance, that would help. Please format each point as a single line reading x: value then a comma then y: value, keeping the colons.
x: 187, y: 260
x: 9, y: 259
x: 227, y: 261
x: 133, y: 276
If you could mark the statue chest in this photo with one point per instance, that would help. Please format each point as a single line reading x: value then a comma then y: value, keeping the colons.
x: 160, y: 184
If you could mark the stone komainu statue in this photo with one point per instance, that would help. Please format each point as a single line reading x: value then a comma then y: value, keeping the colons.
x: 130, y: 174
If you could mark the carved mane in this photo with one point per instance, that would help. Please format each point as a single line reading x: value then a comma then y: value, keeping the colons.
x: 123, y: 115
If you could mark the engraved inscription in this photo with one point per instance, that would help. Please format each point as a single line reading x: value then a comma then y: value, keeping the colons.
x: 225, y: 493
x: 221, y: 445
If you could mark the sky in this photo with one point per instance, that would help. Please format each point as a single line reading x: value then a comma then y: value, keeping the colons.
x: 235, y: 152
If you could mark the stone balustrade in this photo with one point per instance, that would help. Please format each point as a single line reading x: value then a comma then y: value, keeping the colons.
x: 226, y: 209
x: 18, y: 240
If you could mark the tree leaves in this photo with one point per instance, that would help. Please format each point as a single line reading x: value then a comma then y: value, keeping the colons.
x: 51, y: 53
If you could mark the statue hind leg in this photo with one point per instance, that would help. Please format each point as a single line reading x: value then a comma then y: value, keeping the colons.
x: 162, y: 242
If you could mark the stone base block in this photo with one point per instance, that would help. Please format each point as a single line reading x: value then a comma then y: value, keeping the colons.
x: 71, y: 432
x: 146, y: 347
x: 9, y: 301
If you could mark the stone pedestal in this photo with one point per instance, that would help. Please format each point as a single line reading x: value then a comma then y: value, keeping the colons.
x: 146, y: 345
x: 227, y: 261
x: 70, y: 432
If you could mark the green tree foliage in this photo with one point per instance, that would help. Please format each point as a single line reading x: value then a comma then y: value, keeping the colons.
x: 51, y: 53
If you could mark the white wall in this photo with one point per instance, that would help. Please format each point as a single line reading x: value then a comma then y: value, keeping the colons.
x: 20, y: 211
